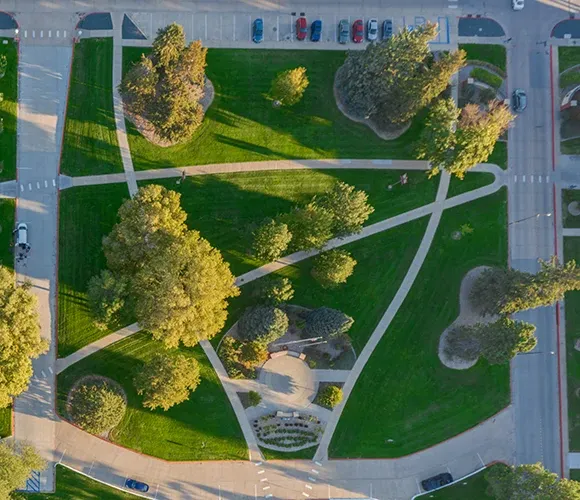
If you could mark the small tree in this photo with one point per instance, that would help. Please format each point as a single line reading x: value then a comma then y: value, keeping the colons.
x: 333, y: 267
x: 311, y: 226
x: 288, y: 87
x: 252, y: 354
x: 271, y: 239
x: 167, y: 380
x: 97, y: 407
x: 262, y: 324
x: 348, y: 206
x: 3, y: 65
x: 463, y: 342
x: 17, y: 461
x: 254, y: 398
x: 106, y: 297
x: 326, y: 323
x: 330, y: 396
x: 275, y: 290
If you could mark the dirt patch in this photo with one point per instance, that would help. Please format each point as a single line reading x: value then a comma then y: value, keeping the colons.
x: 147, y: 130
x: 387, y: 135
x: 468, y: 315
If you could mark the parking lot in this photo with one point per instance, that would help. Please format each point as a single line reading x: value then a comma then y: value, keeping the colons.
x: 222, y: 29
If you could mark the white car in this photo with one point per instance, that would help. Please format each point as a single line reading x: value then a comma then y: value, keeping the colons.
x: 517, y: 4
x: 22, y: 236
x: 372, y: 29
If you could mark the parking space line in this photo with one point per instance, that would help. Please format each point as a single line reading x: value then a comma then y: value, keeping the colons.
x: 221, y: 27
x: 250, y: 26
x: 206, y: 26
x: 277, y: 28
x: 523, y: 178
x: 234, y: 28
x: 64, y: 34
x: 532, y: 179
x: 57, y: 33
x: 156, y: 490
x: 45, y: 184
x: 53, y: 183
x: 29, y: 186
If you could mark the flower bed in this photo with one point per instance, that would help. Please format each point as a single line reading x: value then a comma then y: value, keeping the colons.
x: 287, y: 433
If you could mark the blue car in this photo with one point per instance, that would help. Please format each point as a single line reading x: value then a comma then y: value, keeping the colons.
x: 258, y: 31
x: 136, y: 485
x: 316, y: 31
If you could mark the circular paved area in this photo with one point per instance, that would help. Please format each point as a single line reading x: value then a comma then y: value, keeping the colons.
x: 290, y: 379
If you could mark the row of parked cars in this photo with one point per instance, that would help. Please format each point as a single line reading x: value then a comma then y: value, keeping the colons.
x: 345, y: 30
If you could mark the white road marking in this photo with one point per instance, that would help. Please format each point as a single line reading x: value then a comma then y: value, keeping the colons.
x: 64, y: 34
x: 50, y: 369
x: 41, y: 33
x: 452, y: 6
x: 57, y: 33
x: 29, y: 187
x: 266, y: 488
x: 540, y: 179
x: 306, y: 495
x: 261, y: 472
x: 258, y: 463
x: 318, y: 463
x: 311, y: 479
x: 206, y: 26
x: 91, y: 468
x: 547, y: 178
x: 33, y: 34
x: 53, y: 182
x: 515, y: 178
x: 38, y: 185
x: 21, y: 187
x: 234, y: 27
x: 25, y: 33
x: 315, y: 471
x: 43, y: 374
x: 532, y: 179
x: 269, y: 495
x: 277, y: 28
x: 45, y: 184
x: 49, y: 33
x: 308, y: 486
x: 523, y: 178
x: 264, y: 479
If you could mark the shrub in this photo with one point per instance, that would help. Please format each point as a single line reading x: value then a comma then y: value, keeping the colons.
x: 330, y: 396
x: 97, y: 407
x: 254, y: 398
x: 271, y: 239
x: 3, y: 65
x: 326, y: 323
x: 333, y: 268
x: 263, y: 324
x: 486, y: 77
x: 275, y: 290
x: 252, y: 354
x: 311, y: 226
x: 288, y: 87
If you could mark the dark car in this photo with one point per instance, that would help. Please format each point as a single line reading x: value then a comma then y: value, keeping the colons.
x: 519, y: 100
x: 316, y: 31
x: 358, y: 31
x: 301, y: 28
x: 437, y: 481
x: 136, y: 485
x: 387, y: 29
x: 258, y: 31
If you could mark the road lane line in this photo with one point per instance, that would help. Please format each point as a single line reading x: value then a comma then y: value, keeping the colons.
x: 21, y: 187
x: 306, y: 495
x: 318, y: 463
x: 265, y: 488
x: 53, y: 183
x: 261, y: 472
x: 264, y: 479
x: 308, y: 486
x: 315, y: 471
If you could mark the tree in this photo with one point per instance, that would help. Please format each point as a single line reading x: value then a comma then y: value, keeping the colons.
x: 310, y: 226
x: 271, y: 239
x: 348, y: 206
x: 106, y: 297
x: 3, y: 65
x: 262, y: 324
x: 330, y: 396
x: 254, y: 398
x: 333, y: 267
x: 17, y: 461
x: 167, y: 46
x: 530, y: 482
x: 458, y: 140
x: 167, y: 380
x: 20, y: 339
x: 97, y: 406
x: 140, y: 85
x: 275, y: 290
x: 390, y: 81
x: 326, y: 323
x: 288, y: 87
x: 252, y: 354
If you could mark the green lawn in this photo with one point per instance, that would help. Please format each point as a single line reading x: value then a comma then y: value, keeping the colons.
x: 241, y: 125
x: 499, y: 156
x: 86, y: 215
x: 570, y: 146
x: 382, y: 262
x: 572, y: 310
x: 90, y: 139
x: 471, y: 181
x: 9, y: 110
x: 570, y: 78
x: 202, y: 428
x: 72, y: 485
x: 568, y: 220
x: 305, y: 454
x: 472, y: 488
x: 575, y: 474
x: 226, y: 208
x: 568, y: 57
x: 493, y: 54
x: 404, y: 392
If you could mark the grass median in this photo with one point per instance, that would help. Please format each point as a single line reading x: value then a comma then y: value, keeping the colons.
x: 8, y: 110
x: 405, y: 393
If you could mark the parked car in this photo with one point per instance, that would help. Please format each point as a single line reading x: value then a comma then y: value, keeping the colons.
x: 517, y: 4
x: 437, y: 481
x: 387, y: 29
x: 358, y: 31
x: 301, y: 28
x: 258, y: 31
x: 372, y: 30
x: 21, y: 232
x: 519, y: 100
x: 132, y: 484
x: 343, y: 31
x: 316, y: 31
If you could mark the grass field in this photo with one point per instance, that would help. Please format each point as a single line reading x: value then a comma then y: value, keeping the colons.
x: 572, y: 310
x: 471, y: 181
x: 86, y: 215
x: 499, y: 156
x: 568, y: 220
x: 569, y: 78
x: 568, y: 57
x: 493, y: 54
x: 404, y: 392
x: 9, y: 110
x: 226, y: 208
x: 382, y: 262
x: 306, y: 454
x: 202, y: 428
x: 575, y: 474
x: 472, y: 488
x: 570, y: 146
x: 90, y: 140
x: 241, y: 125
x: 7, y: 207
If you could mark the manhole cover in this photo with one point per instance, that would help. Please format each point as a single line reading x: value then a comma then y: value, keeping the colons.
x: 574, y: 208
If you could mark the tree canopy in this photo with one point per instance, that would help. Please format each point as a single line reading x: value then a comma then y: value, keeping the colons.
x: 310, y: 226
x: 275, y: 290
x: 271, y: 240
x: 17, y: 461
x: 262, y: 324
x: 330, y: 396
x: 20, y: 339
x: 288, y: 87
x: 391, y: 80
x: 326, y: 323
x: 333, y: 267
x: 165, y: 87
x: 167, y: 380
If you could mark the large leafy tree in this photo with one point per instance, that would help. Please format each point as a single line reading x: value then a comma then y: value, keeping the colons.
x: 333, y: 268
x: 275, y: 290
x: 390, y: 81
x: 348, y: 206
x: 530, y: 482
x: 167, y: 380
x: 17, y: 461
x: 20, y: 339
x: 271, y: 239
x: 262, y: 324
x: 327, y: 323
x: 288, y: 87
x: 310, y: 226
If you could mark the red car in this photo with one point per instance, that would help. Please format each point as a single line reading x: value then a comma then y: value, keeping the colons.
x: 301, y: 28
x: 358, y: 31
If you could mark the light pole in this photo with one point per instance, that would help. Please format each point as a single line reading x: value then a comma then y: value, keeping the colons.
x: 535, y: 216
x: 297, y: 341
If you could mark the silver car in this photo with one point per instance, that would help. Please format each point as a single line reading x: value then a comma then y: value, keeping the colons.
x: 372, y: 30
x: 343, y: 29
